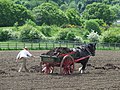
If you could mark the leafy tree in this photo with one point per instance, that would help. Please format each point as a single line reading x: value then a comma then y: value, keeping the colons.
x: 29, y: 33
x: 29, y: 4
x: 64, y: 7
x: 5, y: 34
x: 49, y: 14
x: 73, y: 16
x: 59, y: 2
x: 92, y: 1
x: 116, y: 9
x: 78, y: 4
x: 111, y: 2
x: 111, y: 36
x: 46, y: 30
x: 92, y: 25
x: 12, y: 13
x: 99, y: 21
x: 99, y: 11
x: 62, y: 35
x: 70, y: 36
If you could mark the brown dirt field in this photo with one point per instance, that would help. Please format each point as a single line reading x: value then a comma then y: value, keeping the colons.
x: 102, y: 73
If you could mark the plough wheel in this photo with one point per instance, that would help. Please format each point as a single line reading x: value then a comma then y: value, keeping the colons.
x: 46, y: 68
x: 67, y: 65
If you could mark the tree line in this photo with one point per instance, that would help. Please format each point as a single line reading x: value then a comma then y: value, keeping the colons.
x: 90, y: 16
x: 57, y: 12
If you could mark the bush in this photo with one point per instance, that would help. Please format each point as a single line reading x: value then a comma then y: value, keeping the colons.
x: 30, y: 33
x: 99, y: 21
x: 92, y: 25
x: 62, y: 35
x: 70, y: 36
x: 5, y: 34
x: 93, y: 36
x: 111, y: 36
x: 46, y: 30
x: 30, y: 22
x: 79, y: 39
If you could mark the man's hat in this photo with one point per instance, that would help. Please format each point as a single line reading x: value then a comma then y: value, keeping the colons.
x: 25, y: 48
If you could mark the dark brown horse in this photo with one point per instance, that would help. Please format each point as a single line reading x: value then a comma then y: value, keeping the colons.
x: 84, y: 51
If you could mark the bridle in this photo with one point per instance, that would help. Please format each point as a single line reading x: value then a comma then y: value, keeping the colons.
x: 88, y: 50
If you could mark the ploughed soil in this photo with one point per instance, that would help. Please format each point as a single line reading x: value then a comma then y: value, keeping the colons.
x: 102, y: 73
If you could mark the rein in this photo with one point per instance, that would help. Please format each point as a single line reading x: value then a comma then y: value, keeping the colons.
x: 77, y: 60
x: 89, y: 51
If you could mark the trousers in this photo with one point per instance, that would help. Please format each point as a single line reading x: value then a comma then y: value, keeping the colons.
x: 23, y: 64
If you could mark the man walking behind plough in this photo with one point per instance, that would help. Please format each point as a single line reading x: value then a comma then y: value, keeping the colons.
x: 22, y: 57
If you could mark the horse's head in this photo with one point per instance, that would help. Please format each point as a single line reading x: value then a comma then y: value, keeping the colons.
x: 91, y: 47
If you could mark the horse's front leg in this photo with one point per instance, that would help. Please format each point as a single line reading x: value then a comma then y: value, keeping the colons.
x: 84, y: 63
x: 81, y: 70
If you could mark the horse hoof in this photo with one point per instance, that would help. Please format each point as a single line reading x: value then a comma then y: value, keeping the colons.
x: 80, y: 69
